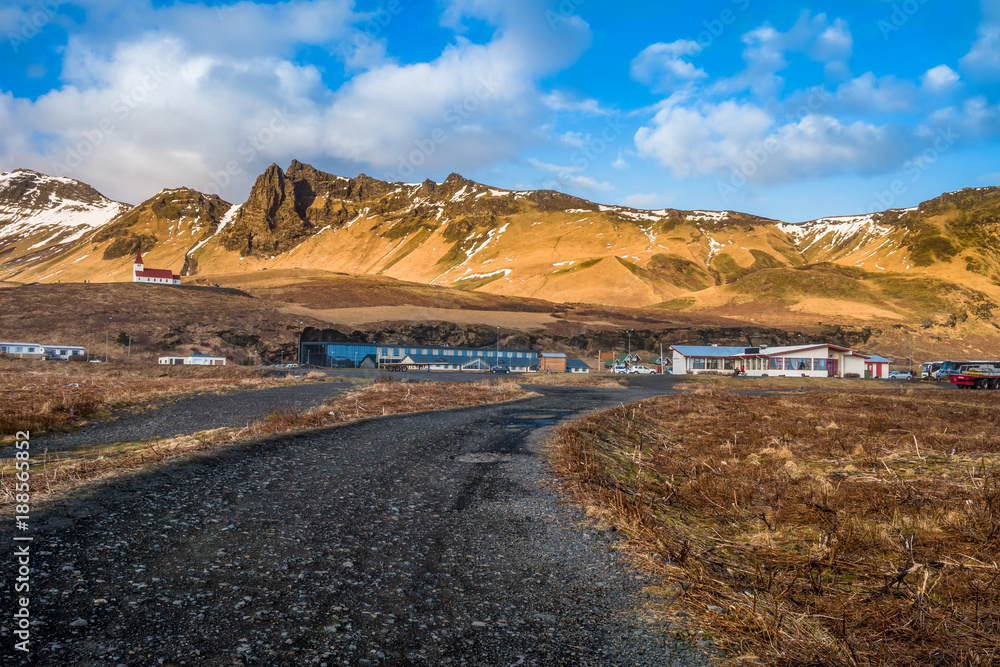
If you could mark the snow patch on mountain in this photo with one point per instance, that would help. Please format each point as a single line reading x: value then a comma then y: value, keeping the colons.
x: 33, y: 203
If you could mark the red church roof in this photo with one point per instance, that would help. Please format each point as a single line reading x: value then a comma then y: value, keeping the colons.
x: 138, y: 256
x: 157, y: 273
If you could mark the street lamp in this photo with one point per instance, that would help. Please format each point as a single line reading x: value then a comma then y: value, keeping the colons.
x: 628, y: 357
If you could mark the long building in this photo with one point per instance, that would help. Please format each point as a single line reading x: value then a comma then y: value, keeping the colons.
x: 822, y: 360
x: 426, y: 357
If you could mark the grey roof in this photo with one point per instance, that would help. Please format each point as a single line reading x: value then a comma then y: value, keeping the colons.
x: 709, y: 351
x: 576, y: 363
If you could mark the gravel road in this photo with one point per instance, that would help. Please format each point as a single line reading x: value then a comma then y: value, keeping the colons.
x: 423, y: 539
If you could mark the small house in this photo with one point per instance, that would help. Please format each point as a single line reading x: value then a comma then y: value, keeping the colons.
x: 23, y: 350
x: 577, y: 366
x: 65, y: 352
x: 194, y: 360
x: 552, y: 362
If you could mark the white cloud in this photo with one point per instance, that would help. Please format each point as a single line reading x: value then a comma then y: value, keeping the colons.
x: 568, y: 177
x: 561, y: 101
x: 817, y: 37
x: 640, y: 200
x: 663, y: 67
x: 705, y: 138
x: 983, y: 59
x: 212, y: 96
x: 620, y: 162
x: 870, y: 93
x: 939, y: 79
x: 730, y: 137
x: 575, y: 139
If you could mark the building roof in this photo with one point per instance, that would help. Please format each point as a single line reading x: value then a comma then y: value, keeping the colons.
x: 576, y: 363
x: 729, y: 352
x: 709, y: 351
x: 64, y: 347
x: 875, y: 359
x: 553, y: 355
x: 434, y: 359
x: 138, y: 256
x: 23, y: 344
x: 157, y: 273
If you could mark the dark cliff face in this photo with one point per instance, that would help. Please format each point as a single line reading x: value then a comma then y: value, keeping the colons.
x: 284, y: 208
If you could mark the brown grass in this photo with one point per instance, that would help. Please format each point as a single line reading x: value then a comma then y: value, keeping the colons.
x: 832, y: 528
x: 695, y: 382
x: 41, y: 396
x: 570, y: 380
x: 64, y: 471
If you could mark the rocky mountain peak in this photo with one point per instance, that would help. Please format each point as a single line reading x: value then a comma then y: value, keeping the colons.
x: 26, y: 190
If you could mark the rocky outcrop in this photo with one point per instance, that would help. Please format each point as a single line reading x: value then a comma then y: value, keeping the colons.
x: 286, y: 207
x: 137, y: 228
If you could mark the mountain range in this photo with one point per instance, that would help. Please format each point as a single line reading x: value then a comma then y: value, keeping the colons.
x: 935, y: 266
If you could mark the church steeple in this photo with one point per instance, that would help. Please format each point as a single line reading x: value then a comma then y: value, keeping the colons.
x: 137, y: 265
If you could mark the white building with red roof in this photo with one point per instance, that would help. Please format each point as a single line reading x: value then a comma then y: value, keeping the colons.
x: 140, y: 274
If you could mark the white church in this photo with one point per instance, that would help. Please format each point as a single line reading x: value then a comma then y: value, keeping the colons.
x: 159, y: 276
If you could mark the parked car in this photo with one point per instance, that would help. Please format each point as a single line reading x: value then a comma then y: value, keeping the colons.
x: 642, y: 370
x: 619, y: 369
x: 500, y: 369
x: 900, y: 375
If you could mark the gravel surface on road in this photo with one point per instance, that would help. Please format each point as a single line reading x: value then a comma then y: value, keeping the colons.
x: 432, y: 539
x: 191, y: 414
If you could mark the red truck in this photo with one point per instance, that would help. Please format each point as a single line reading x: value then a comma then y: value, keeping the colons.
x: 985, y: 377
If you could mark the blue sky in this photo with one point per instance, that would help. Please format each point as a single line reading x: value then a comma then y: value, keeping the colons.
x: 790, y: 110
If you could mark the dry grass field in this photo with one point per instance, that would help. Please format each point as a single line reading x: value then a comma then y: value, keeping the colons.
x: 40, y: 396
x: 825, y: 528
x: 710, y: 382
x: 53, y: 474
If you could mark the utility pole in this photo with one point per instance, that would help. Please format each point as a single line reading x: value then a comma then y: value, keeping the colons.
x: 498, y: 347
x: 298, y: 344
x: 128, y: 355
x: 106, y: 324
x: 663, y: 366
x: 628, y: 357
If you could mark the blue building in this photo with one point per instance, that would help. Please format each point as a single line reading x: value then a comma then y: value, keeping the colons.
x: 424, y: 357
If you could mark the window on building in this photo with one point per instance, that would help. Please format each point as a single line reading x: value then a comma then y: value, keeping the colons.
x: 728, y: 364
x: 698, y: 363
x: 712, y: 364
x: 819, y: 364
x: 773, y: 364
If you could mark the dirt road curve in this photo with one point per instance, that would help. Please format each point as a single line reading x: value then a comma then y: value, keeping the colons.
x: 424, y: 539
